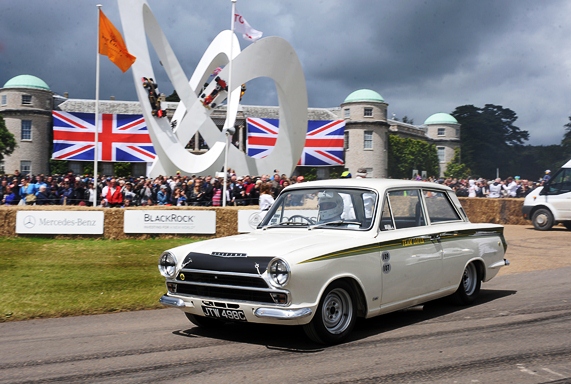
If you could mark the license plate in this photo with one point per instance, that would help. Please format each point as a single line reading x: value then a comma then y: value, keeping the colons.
x: 224, y: 314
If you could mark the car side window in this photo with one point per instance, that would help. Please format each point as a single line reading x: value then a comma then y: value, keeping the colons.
x: 439, y: 207
x: 386, y: 217
x: 406, y: 208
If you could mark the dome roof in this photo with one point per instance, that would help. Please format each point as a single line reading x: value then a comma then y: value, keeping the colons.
x: 441, y: 118
x: 26, y: 81
x: 364, y: 95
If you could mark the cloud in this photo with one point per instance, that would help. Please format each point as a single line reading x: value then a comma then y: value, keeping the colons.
x: 423, y: 57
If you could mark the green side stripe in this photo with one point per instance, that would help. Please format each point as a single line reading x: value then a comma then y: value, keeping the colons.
x: 398, y: 243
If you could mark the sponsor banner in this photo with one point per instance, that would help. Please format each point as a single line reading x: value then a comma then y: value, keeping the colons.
x: 248, y: 219
x: 60, y: 222
x: 169, y: 221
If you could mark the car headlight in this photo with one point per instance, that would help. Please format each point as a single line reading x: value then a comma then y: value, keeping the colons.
x: 167, y: 264
x: 279, y: 272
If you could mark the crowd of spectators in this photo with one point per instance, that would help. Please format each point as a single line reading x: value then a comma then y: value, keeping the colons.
x: 178, y: 190
x: 496, y: 188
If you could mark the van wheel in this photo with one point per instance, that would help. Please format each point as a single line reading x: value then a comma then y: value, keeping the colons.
x: 469, y: 287
x: 335, y: 316
x: 542, y: 219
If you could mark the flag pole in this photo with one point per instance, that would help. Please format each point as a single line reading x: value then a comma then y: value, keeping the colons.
x: 95, y: 151
x: 229, y: 97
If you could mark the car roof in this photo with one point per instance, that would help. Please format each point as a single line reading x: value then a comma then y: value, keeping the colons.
x: 378, y: 184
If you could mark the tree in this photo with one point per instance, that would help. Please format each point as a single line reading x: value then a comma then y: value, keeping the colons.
x: 7, y: 140
x: 407, y: 154
x: 566, y: 141
x: 173, y: 97
x: 457, y: 169
x: 490, y: 140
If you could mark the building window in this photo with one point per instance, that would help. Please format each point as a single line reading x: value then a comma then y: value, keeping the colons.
x: 107, y: 169
x: 346, y: 141
x: 139, y: 169
x: 457, y: 132
x: 441, y: 154
x: 368, y: 140
x: 2, y: 168
x: 4, y: 100
x: 26, y: 99
x: 346, y: 113
x: 441, y: 131
x: 76, y: 167
x: 368, y: 112
x: 25, y: 167
x: 26, y: 133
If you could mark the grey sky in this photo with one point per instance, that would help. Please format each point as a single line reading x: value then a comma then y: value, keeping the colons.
x: 423, y: 57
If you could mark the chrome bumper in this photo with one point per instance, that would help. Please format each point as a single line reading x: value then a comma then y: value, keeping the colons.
x: 172, y: 302
x: 282, y: 314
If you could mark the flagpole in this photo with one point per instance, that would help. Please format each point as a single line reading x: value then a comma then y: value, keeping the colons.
x: 95, y: 151
x: 228, y: 102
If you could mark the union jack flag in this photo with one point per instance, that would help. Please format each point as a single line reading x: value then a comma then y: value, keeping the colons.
x: 323, y: 143
x: 120, y: 137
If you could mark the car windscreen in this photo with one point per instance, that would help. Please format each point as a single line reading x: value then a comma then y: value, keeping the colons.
x: 331, y: 208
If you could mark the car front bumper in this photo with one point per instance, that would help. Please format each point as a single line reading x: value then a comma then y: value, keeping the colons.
x: 254, y: 313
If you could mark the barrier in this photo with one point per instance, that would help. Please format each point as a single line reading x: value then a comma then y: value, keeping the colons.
x: 479, y: 210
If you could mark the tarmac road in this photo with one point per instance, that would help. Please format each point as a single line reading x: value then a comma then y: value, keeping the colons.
x: 518, y: 332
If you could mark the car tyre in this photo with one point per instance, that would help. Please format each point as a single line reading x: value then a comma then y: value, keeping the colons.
x: 203, y: 322
x: 469, y: 287
x: 335, y: 316
x: 542, y: 219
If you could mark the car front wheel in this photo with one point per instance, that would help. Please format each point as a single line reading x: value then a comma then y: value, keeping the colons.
x: 542, y: 219
x: 469, y: 287
x: 335, y: 316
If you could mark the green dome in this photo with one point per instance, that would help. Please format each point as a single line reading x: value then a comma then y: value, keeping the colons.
x: 364, y: 95
x: 441, y: 118
x: 26, y: 81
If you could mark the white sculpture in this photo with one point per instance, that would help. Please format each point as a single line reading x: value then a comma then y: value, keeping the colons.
x: 271, y: 57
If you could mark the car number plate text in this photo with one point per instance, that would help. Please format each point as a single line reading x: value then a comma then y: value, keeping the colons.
x: 224, y: 314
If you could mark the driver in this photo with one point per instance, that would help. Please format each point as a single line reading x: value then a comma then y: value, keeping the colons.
x: 330, y: 205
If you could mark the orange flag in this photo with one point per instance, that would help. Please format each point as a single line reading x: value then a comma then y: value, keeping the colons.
x: 111, y: 44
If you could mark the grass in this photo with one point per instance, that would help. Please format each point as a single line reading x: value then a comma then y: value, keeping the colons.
x: 53, y: 278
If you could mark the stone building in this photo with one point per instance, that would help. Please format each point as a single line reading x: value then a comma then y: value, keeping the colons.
x: 27, y: 103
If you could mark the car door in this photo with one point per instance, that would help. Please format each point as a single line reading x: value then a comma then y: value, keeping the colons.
x: 411, y: 262
x: 558, y: 194
x: 447, y: 228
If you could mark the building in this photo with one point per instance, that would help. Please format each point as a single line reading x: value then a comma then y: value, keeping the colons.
x: 27, y: 103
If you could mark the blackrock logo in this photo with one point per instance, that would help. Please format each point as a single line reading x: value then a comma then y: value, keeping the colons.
x: 29, y: 221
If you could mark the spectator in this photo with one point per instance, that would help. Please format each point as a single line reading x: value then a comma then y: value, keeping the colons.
x: 511, y: 187
x: 266, y: 198
x: 496, y: 189
x: 111, y: 195
x: 42, y: 196
x: 196, y: 195
x: 473, y: 188
x: 216, y: 193
x: 163, y: 195
x: 90, y: 195
x: 239, y: 192
x: 129, y: 194
x: 66, y: 194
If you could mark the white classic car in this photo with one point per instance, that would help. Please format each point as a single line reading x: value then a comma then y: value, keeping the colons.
x: 330, y: 251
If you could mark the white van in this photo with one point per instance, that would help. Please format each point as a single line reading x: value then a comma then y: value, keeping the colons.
x: 551, y: 203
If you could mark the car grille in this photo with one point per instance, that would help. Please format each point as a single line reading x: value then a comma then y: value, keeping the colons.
x: 222, y: 286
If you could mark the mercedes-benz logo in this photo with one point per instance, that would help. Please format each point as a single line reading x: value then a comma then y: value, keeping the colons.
x: 29, y: 221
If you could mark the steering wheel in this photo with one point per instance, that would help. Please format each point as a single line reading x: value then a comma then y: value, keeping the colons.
x: 310, y: 221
